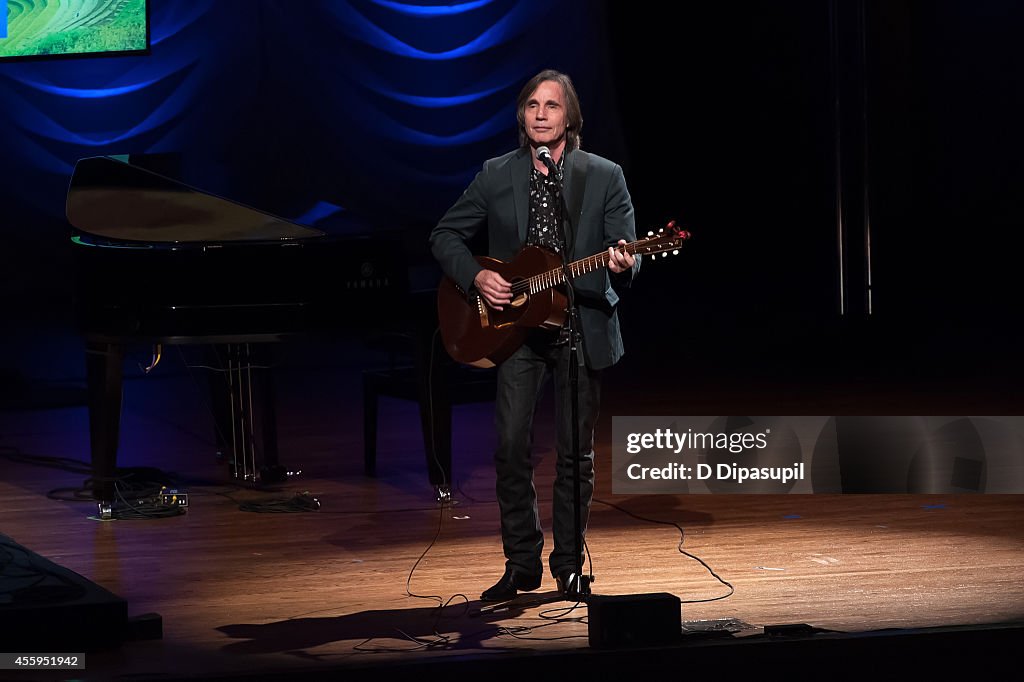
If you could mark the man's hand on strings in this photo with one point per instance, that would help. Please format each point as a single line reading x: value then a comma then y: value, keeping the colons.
x: 618, y: 259
x: 493, y: 287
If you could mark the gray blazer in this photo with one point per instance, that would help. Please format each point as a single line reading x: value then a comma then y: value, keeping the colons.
x: 499, y: 198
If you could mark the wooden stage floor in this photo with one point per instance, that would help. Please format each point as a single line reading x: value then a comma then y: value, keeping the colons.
x: 382, y: 576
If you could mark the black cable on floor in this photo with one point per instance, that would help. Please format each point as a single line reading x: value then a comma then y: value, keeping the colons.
x: 682, y: 538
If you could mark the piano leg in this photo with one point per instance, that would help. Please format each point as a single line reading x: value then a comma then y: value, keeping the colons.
x: 103, y: 363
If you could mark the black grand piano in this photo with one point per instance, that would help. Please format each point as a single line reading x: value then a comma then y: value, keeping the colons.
x: 158, y: 262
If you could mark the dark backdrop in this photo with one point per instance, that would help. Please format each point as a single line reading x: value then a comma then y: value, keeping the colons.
x: 724, y: 117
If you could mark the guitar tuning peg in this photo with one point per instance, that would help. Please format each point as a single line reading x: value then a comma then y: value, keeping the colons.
x: 650, y: 234
x: 675, y: 252
x: 664, y: 255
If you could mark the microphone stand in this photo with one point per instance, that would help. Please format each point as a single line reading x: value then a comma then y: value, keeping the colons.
x: 578, y: 588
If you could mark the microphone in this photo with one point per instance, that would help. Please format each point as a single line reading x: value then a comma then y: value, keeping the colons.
x: 544, y: 154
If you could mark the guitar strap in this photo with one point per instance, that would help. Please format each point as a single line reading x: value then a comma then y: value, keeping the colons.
x: 579, y: 186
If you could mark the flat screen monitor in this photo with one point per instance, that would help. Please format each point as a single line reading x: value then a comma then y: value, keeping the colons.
x: 41, y: 29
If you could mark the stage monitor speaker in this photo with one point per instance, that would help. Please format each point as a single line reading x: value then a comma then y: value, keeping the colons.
x: 633, y: 620
x: 45, y: 607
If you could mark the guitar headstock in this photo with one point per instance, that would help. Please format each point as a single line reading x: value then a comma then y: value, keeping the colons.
x: 668, y: 238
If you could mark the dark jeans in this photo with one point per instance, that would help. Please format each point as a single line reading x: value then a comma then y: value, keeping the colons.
x: 520, y: 381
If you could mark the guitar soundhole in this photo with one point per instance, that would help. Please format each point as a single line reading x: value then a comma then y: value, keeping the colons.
x: 518, y: 301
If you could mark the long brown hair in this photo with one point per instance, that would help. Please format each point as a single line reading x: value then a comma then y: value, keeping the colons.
x: 573, y: 115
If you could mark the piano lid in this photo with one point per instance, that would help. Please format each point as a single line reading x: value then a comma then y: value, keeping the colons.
x: 115, y: 200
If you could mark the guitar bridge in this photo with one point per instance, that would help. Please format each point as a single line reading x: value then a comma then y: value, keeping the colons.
x: 481, y: 309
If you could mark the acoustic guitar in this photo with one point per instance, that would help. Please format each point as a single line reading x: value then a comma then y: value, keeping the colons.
x: 476, y: 334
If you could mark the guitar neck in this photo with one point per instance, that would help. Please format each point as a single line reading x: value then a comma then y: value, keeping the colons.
x: 556, y: 276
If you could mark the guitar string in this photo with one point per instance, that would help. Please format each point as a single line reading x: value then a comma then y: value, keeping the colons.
x: 554, y: 277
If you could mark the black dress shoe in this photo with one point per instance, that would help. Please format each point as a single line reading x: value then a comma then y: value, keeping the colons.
x: 570, y: 586
x: 509, y: 584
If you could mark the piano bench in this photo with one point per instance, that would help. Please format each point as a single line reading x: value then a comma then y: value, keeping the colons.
x: 455, y: 385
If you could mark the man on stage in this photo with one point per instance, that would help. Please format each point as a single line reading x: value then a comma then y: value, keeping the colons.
x: 519, y: 199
